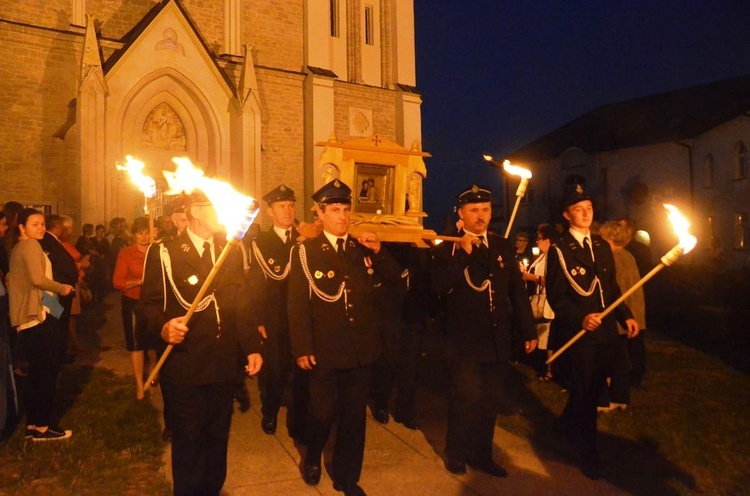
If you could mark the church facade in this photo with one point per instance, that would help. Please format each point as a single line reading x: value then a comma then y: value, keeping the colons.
x: 250, y: 90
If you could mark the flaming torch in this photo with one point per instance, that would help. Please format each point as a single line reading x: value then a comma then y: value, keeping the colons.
x: 525, y: 175
x: 686, y: 243
x: 235, y: 211
x: 144, y: 183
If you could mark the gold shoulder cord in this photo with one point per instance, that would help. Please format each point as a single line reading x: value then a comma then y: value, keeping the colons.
x: 315, y: 289
x: 266, y: 269
x: 578, y: 289
x: 204, y: 303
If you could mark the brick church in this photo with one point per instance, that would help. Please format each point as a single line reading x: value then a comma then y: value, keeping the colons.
x: 255, y: 92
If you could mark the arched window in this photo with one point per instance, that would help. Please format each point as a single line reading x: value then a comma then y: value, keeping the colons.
x: 740, y: 160
x: 708, y: 171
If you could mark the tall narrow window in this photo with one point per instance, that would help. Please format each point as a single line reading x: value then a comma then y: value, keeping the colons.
x: 334, y: 18
x: 369, y: 19
x: 708, y: 171
x: 740, y: 160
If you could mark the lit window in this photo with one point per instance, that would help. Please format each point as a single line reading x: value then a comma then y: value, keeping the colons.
x: 708, y: 171
x: 334, y: 18
x: 740, y: 160
x: 369, y: 18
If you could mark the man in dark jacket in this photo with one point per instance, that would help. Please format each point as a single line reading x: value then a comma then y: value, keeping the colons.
x: 334, y: 328
x: 268, y: 276
x: 64, y: 268
x: 481, y: 282
x: 206, y: 362
x: 581, y: 284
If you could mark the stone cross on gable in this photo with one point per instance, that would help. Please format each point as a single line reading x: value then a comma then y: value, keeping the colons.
x: 376, y: 139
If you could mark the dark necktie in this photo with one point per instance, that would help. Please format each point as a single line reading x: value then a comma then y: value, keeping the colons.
x: 587, y: 250
x: 287, y: 236
x: 340, y: 249
x: 206, y: 260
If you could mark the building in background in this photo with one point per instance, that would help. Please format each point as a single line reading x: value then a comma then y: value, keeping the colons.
x: 247, y: 89
x: 687, y: 147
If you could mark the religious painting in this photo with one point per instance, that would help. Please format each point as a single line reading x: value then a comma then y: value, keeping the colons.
x: 163, y: 130
x: 373, y: 189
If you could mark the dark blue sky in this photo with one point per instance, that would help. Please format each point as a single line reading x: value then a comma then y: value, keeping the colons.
x: 495, y: 75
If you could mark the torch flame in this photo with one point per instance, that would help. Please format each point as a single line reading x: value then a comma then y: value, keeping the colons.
x: 488, y: 158
x: 516, y: 170
x: 234, y: 210
x: 134, y: 168
x: 680, y: 225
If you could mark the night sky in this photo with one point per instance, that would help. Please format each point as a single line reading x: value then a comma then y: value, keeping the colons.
x: 495, y: 75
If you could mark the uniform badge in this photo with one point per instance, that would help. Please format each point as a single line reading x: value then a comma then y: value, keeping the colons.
x: 574, y: 272
x: 185, y: 247
x: 582, y: 271
x: 331, y: 274
x: 500, y: 262
x: 370, y: 271
x: 271, y: 261
x: 318, y: 274
x: 277, y: 269
x: 192, y: 280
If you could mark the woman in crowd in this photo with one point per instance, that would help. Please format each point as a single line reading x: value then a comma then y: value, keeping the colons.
x: 34, y: 310
x: 100, y: 273
x: 127, y: 279
x: 627, y: 275
x: 536, y: 277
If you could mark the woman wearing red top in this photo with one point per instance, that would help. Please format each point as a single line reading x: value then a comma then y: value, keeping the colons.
x: 127, y: 279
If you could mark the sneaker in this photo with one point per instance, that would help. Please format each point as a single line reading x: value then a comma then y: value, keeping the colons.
x: 51, y: 435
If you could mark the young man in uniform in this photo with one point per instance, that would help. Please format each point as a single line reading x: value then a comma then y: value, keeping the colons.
x: 581, y: 284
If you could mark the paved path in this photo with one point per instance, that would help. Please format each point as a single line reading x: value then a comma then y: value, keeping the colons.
x: 397, y: 461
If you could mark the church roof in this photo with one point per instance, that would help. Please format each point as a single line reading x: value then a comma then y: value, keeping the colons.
x: 131, y: 36
x: 670, y: 116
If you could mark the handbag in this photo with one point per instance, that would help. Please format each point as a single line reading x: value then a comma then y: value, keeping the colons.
x: 540, y: 307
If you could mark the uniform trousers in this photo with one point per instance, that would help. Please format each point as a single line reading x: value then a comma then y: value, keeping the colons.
x: 44, y: 346
x: 477, y: 393
x: 341, y: 395
x: 201, y: 417
x: 277, y: 371
x: 398, y: 364
x: 588, y: 365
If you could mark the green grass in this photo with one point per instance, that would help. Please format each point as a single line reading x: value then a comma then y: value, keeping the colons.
x: 687, y: 430
x: 116, y: 446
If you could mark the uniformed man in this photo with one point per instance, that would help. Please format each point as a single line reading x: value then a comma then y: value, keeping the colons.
x: 334, y: 328
x: 209, y: 353
x: 481, y: 282
x: 268, y: 273
x: 580, y: 284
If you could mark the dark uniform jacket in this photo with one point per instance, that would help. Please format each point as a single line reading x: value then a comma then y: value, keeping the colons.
x: 569, y: 306
x: 269, y: 259
x: 219, y: 340
x: 343, y: 333
x: 479, y: 322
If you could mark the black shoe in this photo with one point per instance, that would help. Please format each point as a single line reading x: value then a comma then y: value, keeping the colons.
x: 166, y: 435
x: 268, y: 424
x: 489, y: 467
x: 381, y: 415
x: 454, y: 466
x: 352, y: 489
x: 409, y: 423
x: 311, y: 473
x: 51, y: 435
